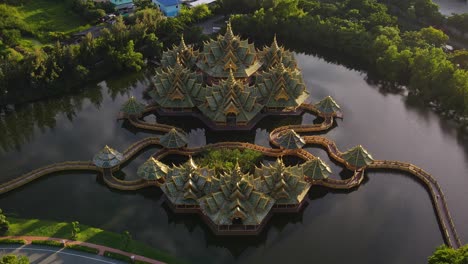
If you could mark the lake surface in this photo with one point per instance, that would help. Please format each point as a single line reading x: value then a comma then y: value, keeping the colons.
x: 448, y: 7
x: 389, y: 219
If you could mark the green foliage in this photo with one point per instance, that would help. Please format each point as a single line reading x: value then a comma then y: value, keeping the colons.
x: 90, y: 10
x: 33, y: 227
x: 239, y: 6
x: 460, y: 58
x: 459, y: 21
x: 195, y: 14
x: 127, y: 238
x: 83, y: 248
x: 223, y: 160
x: 4, y: 224
x: 446, y: 255
x: 363, y: 35
x: 117, y: 256
x: 428, y: 11
x: 75, y: 229
x: 51, y: 243
x: 12, y: 241
x: 13, y: 259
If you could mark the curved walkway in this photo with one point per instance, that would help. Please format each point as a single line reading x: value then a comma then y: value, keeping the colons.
x: 438, y: 198
x: 38, y: 254
x: 101, y: 249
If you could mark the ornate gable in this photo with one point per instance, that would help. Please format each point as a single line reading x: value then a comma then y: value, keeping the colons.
x: 230, y: 97
x: 281, y: 87
x: 176, y: 87
x: 186, y: 183
x: 186, y: 55
x: 274, y: 54
x: 228, y: 53
x: 236, y: 199
x: 284, y: 184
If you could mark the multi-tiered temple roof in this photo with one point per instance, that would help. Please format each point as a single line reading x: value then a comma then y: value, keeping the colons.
x: 229, y: 82
x: 232, y: 198
x: 226, y: 53
x: 285, y: 184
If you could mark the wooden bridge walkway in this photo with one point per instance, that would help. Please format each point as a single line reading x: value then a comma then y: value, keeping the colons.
x: 438, y: 198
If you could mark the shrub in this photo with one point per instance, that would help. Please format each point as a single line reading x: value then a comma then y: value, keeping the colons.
x: 52, y: 243
x: 4, y: 224
x: 83, y: 248
x: 225, y: 159
x: 13, y: 259
x: 117, y: 256
x: 12, y: 241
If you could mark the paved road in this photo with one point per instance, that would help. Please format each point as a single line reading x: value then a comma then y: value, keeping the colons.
x: 208, y: 25
x: 46, y: 255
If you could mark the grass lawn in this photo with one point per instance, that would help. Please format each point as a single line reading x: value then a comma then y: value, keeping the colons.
x: 35, y: 227
x: 48, y: 15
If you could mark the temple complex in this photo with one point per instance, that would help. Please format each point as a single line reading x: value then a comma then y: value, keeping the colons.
x: 229, y: 83
x: 234, y: 202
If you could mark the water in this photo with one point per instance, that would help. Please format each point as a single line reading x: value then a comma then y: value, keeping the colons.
x: 448, y: 7
x: 389, y: 219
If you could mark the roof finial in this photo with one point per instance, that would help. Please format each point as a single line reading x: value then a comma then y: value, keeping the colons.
x: 178, y: 62
x: 274, y: 44
x: 231, y: 80
x: 229, y: 35
x: 182, y: 45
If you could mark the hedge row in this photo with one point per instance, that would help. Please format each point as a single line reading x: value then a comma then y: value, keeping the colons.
x: 52, y: 243
x: 83, y: 248
x: 12, y: 241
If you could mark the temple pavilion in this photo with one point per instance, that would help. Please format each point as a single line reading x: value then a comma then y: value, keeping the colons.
x: 228, y: 83
x: 234, y: 202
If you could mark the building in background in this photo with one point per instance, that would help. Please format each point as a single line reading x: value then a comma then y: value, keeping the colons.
x: 170, y: 8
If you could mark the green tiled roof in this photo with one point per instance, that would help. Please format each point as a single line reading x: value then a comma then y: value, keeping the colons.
x: 236, y: 199
x: 107, y: 158
x: 174, y: 139
x: 274, y: 54
x: 230, y: 97
x: 219, y: 83
x: 328, y: 106
x: 186, y: 55
x: 176, y: 87
x: 281, y: 87
x: 284, y: 184
x: 316, y: 169
x: 228, y: 52
x: 289, y: 139
x: 133, y: 107
x: 152, y: 169
x: 186, y: 183
x: 358, y: 157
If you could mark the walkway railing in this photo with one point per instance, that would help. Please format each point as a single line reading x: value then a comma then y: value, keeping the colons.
x: 438, y: 198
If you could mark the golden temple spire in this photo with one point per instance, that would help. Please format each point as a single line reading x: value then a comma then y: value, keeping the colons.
x: 182, y: 45
x: 229, y: 34
x: 231, y: 80
x: 274, y: 44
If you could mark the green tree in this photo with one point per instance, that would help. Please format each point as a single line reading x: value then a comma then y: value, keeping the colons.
x: 127, y: 238
x: 434, y: 37
x: 460, y: 58
x: 127, y: 57
x: 13, y: 259
x: 446, y: 255
x: 459, y: 21
x: 428, y: 11
x: 4, y: 224
x: 75, y: 229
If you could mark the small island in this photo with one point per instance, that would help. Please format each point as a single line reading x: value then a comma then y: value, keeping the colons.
x: 230, y: 85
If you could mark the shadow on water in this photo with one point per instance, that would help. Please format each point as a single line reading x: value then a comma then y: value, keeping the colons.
x: 236, y: 245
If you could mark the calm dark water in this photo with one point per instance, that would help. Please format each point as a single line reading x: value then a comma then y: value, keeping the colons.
x: 448, y: 7
x: 389, y: 219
